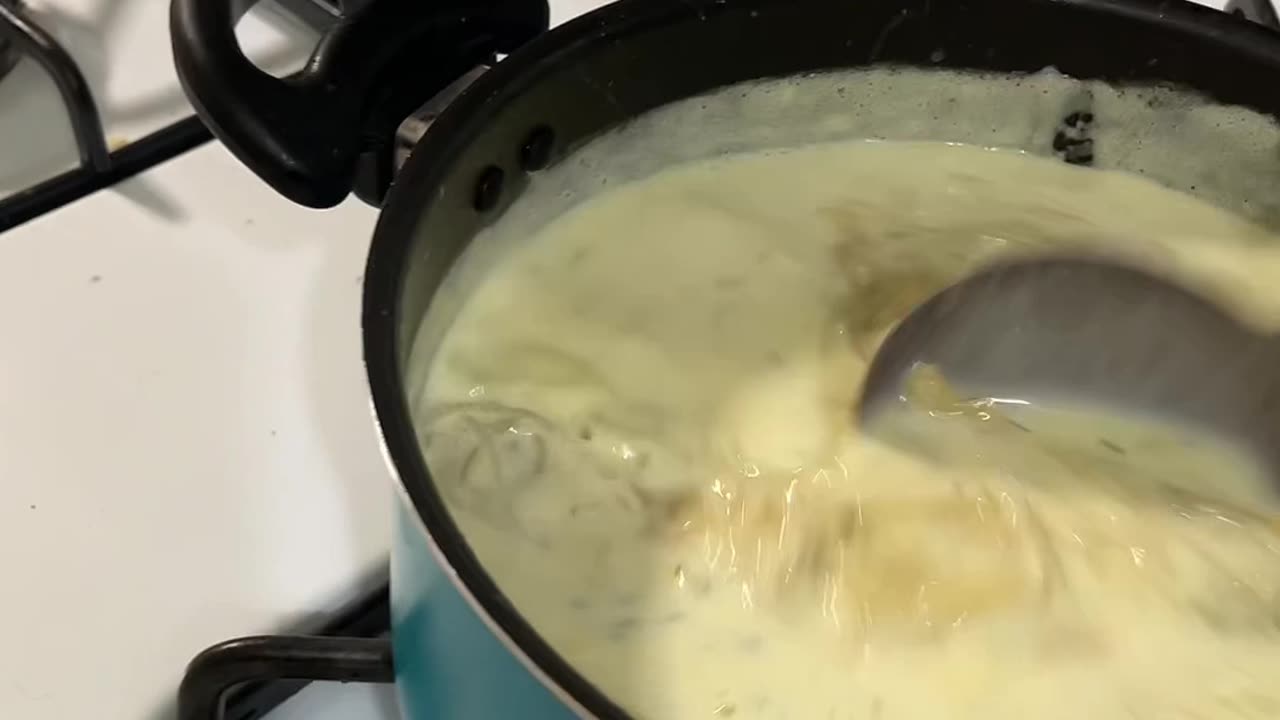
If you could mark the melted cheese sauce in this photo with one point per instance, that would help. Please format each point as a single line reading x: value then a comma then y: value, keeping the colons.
x: 641, y: 418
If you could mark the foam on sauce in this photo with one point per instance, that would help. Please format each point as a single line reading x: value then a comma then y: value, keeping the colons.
x: 640, y: 415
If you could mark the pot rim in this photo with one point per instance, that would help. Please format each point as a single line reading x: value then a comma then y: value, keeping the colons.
x: 428, y: 166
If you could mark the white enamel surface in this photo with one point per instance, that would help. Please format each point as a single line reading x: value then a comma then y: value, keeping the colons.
x: 185, y: 434
x: 185, y: 437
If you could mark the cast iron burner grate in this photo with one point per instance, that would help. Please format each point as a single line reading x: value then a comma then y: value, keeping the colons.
x: 353, y: 640
x: 22, y: 38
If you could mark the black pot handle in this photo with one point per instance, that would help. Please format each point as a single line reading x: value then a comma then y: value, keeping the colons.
x: 306, y: 134
x: 271, y: 658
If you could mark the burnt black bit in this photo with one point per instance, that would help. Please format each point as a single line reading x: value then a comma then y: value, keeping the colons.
x: 586, y: 433
x: 1079, y: 120
x: 1073, y: 138
x: 1112, y: 446
x: 1080, y: 154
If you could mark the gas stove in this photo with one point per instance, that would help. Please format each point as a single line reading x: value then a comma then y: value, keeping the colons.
x: 184, y: 426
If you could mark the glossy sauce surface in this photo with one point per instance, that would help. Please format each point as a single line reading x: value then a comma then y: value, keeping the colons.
x: 640, y: 416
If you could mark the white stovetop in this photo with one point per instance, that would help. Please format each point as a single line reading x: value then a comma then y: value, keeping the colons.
x: 186, y: 448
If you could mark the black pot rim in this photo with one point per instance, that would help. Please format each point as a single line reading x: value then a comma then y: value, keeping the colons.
x: 428, y: 166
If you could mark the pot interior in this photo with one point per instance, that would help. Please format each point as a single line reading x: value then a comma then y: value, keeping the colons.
x: 603, y: 71
x: 642, y: 87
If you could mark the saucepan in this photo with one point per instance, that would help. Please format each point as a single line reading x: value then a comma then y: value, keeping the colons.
x: 442, y: 112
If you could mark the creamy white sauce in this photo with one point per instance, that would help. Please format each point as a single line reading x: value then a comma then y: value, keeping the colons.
x: 640, y: 416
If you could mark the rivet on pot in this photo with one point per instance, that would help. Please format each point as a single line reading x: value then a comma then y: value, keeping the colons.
x: 535, y: 154
x: 488, y: 189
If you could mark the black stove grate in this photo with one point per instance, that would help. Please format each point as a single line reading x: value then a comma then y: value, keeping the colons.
x: 21, y: 36
x: 357, y: 659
